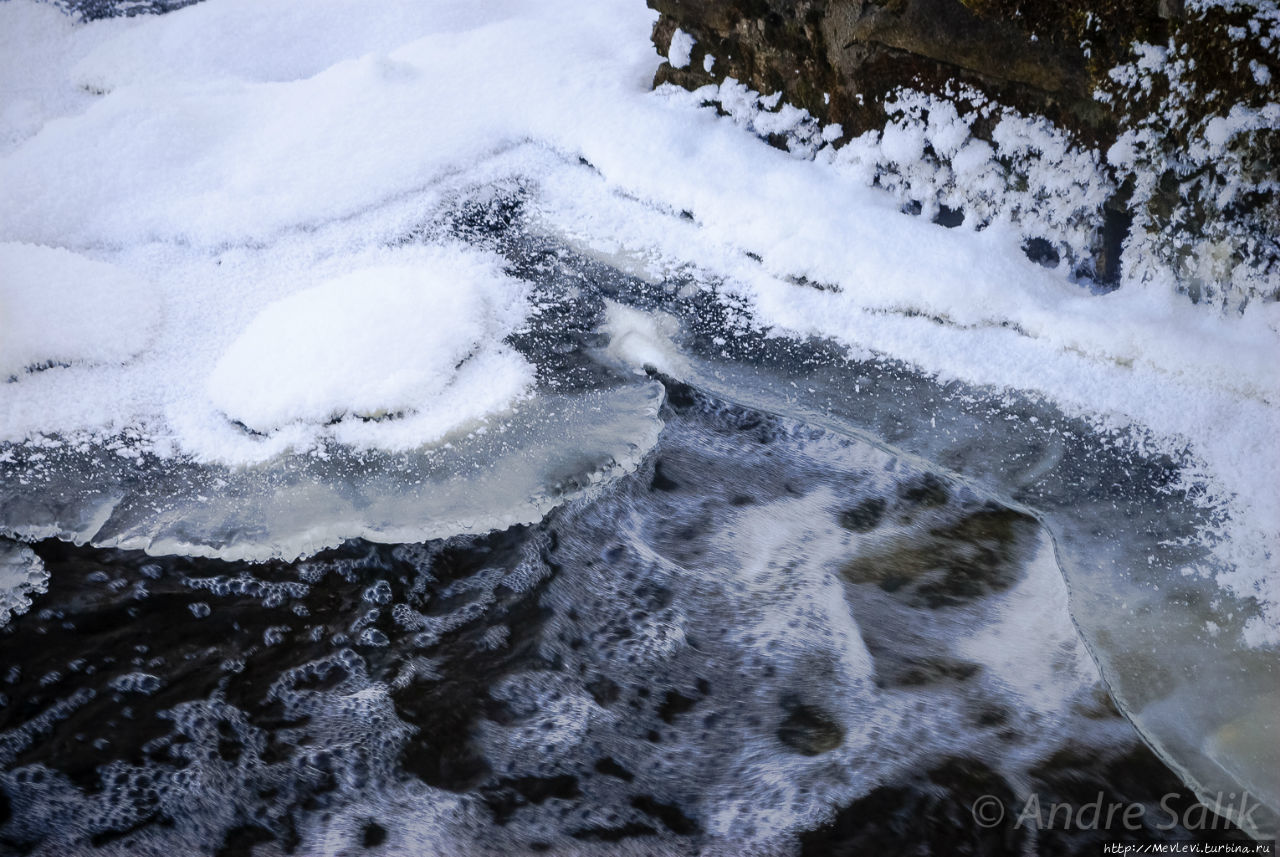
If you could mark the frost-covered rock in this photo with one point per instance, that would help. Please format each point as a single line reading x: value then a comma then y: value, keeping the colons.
x: 1200, y: 149
x: 1027, y: 174
x: 93, y: 9
x: 1087, y: 121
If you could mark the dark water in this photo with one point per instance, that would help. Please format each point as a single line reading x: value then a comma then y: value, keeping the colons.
x: 770, y: 639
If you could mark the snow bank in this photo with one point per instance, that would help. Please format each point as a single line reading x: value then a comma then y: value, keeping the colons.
x: 245, y: 144
x: 57, y: 307
x: 380, y: 342
x: 292, y: 42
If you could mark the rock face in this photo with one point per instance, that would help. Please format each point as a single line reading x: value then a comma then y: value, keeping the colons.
x: 90, y: 10
x: 1150, y: 74
x: 839, y: 58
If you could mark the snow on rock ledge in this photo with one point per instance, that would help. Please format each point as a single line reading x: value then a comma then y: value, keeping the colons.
x: 59, y: 308
x: 422, y: 341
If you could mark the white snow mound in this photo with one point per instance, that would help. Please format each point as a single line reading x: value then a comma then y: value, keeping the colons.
x: 377, y: 342
x: 57, y: 307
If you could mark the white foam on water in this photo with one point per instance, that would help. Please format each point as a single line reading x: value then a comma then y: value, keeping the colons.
x: 1033, y: 652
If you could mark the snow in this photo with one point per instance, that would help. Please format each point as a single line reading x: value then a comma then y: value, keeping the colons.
x: 1226, y: 250
x: 638, y: 340
x: 1032, y: 179
x: 213, y: 217
x: 293, y: 42
x: 58, y: 308
x: 902, y: 143
x: 679, y: 54
x: 392, y: 340
x: 33, y: 81
x: 1220, y: 130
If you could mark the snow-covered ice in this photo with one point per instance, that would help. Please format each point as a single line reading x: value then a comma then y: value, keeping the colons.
x: 58, y: 307
x: 415, y: 339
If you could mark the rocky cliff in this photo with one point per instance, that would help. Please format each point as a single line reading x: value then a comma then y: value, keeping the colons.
x: 1175, y: 105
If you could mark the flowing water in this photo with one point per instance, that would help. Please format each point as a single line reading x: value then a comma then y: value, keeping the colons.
x: 763, y: 624
x: 762, y: 598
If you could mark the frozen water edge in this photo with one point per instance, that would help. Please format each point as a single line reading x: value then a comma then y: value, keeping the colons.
x: 508, y: 472
x: 1140, y: 568
x: 1141, y: 547
x: 22, y: 575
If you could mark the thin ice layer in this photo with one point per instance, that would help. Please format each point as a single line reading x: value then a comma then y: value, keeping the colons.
x: 22, y: 576
x: 1139, y: 553
x: 501, y: 473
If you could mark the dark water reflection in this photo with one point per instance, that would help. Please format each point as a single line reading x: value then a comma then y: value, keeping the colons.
x: 768, y: 639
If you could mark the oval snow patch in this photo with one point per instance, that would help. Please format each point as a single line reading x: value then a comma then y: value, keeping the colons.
x: 372, y: 343
x: 58, y: 307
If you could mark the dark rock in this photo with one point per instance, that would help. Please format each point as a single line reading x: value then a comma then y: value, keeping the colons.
x: 614, y: 834
x: 976, y: 554
x: 1041, y: 251
x: 865, y: 516
x: 610, y: 768
x: 925, y: 671
x: 840, y: 58
x: 90, y: 10
x: 927, y: 491
x: 928, y: 813
x: 671, y: 816
x: 809, y: 730
x: 673, y: 704
x: 241, y: 840
x: 661, y: 480
x: 373, y: 835
x: 508, y: 795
